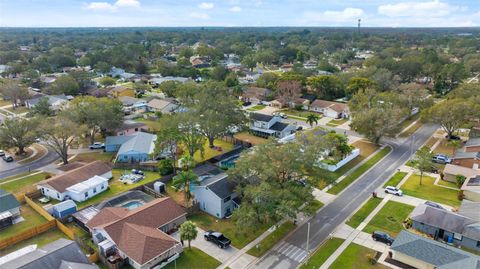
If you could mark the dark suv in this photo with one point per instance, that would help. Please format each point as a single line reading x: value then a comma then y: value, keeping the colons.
x: 382, y: 237
x: 218, y: 238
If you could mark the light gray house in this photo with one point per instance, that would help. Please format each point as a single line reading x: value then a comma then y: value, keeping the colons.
x: 214, y: 194
x: 9, y: 209
x: 447, y: 226
x: 267, y: 125
x: 131, y: 148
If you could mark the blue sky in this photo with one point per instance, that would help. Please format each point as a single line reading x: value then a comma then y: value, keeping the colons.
x: 110, y: 13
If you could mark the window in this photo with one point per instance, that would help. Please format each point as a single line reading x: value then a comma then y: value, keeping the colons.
x: 478, y: 244
x: 86, y: 194
x: 95, y: 190
x: 103, y: 187
x: 58, y: 196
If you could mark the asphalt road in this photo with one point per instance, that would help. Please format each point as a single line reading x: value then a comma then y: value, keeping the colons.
x: 45, y: 160
x: 292, y: 250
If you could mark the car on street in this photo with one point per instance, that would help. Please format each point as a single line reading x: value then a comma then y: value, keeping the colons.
x: 7, y: 158
x: 97, y: 145
x: 441, y: 159
x: 393, y: 190
x: 217, y: 238
x: 382, y: 237
x: 2, y: 153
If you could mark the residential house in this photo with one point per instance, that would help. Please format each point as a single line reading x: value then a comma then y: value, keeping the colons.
x: 469, y: 155
x: 250, y: 77
x: 9, y: 209
x: 215, y: 194
x: 162, y: 105
x: 56, y: 102
x: 470, y: 210
x: 132, y: 104
x: 420, y: 252
x: 156, y: 81
x: 471, y: 189
x: 446, y: 226
x: 79, y: 184
x: 120, y: 90
x: 59, y: 254
x: 330, y: 109
x: 199, y: 62
x: 266, y: 125
x: 131, y: 148
x: 472, y: 145
x: 139, y: 237
x: 303, y: 103
x: 451, y: 171
x: 255, y: 95
x: 130, y: 127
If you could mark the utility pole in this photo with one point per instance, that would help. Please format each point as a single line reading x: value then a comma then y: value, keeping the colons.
x: 359, y: 21
x: 308, y: 237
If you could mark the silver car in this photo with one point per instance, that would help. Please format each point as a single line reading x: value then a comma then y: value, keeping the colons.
x: 393, y: 190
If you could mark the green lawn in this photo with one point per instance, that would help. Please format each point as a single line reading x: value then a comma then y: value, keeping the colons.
x: 390, y: 218
x: 301, y: 114
x: 363, y: 212
x: 210, y: 153
x: 395, y: 179
x: 18, y: 110
x: 322, y: 253
x: 93, y: 156
x: 256, y: 108
x: 228, y: 228
x: 152, y: 125
x: 412, y: 129
x: 337, y: 188
x: 116, y: 187
x: 429, y: 191
x: 269, y: 241
x: 447, y: 184
x: 336, y: 122
x: 409, y: 121
x: 247, y: 137
x: 356, y: 257
x: 32, y: 219
x: 194, y: 259
x: 40, y: 240
x: 23, y: 185
x: 431, y: 141
x: 313, y: 207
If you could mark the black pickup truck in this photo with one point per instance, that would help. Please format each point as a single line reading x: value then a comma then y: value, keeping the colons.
x: 218, y: 238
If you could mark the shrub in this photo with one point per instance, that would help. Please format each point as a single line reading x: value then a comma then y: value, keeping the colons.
x: 165, y: 167
x: 460, y: 180
x: 371, y: 259
x: 460, y: 195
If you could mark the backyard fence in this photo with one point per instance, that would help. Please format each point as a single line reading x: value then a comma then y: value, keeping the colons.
x: 39, y: 229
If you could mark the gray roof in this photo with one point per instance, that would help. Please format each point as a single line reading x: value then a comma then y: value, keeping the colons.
x: 446, y: 220
x: 222, y: 187
x: 139, y: 142
x: 7, y: 201
x: 261, y: 117
x: 470, y: 209
x: 460, y: 154
x: 51, y: 257
x: 51, y: 99
x: 473, y: 142
x: 117, y: 140
x: 439, y: 255
x: 128, y: 101
x: 279, y: 126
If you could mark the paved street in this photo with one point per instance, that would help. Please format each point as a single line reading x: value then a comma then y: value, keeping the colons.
x: 17, y: 169
x: 336, y: 212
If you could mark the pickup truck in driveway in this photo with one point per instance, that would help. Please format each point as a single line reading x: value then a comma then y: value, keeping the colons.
x: 218, y: 238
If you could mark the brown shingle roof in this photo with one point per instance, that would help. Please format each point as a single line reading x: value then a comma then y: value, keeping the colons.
x: 339, y: 107
x: 61, y: 182
x: 256, y: 92
x: 107, y: 215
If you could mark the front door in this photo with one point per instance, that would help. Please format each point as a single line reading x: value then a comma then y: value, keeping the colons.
x: 441, y: 233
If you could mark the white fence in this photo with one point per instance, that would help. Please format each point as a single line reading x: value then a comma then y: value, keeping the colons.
x: 335, y: 167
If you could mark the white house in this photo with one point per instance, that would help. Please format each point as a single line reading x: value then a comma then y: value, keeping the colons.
x: 330, y: 109
x: 79, y: 184
x: 56, y: 102
x: 266, y: 125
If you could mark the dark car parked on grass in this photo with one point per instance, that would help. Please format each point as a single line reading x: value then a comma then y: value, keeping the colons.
x: 218, y: 238
x: 382, y: 237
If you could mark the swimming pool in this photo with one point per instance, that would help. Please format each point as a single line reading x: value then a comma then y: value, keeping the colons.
x: 229, y: 162
x: 132, y: 205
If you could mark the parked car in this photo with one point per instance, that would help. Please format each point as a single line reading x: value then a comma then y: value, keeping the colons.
x: 382, y: 237
x: 7, y: 158
x: 393, y: 190
x: 441, y: 159
x: 97, y: 145
x: 432, y: 204
x: 218, y: 238
x: 2, y: 153
x: 247, y: 103
x: 138, y: 172
x: 283, y: 115
x: 453, y: 137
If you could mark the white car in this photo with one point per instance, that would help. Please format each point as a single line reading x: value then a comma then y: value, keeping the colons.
x: 393, y: 190
x: 97, y: 145
x: 2, y: 153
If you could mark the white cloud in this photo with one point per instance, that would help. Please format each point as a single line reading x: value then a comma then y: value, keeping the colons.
x: 435, y: 8
x: 205, y: 5
x: 127, y: 3
x: 235, y: 9
x: 332, y: 17
x: 101, y: 6
x: 199, y: 15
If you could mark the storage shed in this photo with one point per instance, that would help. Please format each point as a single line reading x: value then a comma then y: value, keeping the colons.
x: 64, y: 209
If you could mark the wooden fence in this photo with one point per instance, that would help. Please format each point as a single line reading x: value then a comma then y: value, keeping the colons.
x: 38, y: 209
x: 27, y: 234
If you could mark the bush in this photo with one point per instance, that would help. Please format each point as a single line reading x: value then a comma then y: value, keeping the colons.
x: 460, y: 180
x: 371, y: 259
x: 165, y: 167
x: 460, y: 195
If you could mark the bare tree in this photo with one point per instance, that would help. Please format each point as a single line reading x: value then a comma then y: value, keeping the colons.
x: 288, y: 91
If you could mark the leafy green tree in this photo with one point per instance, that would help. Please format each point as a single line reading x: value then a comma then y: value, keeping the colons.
x: 219, y: 73
x: 357, y: 84
x: 64, y: 84
x: 19, y: 133
x: 460, y: 180
x: 42, y: 108
x: 288, y: 91
x: 103, y: 67
x: 451, y: 114
x: 168, y: 140
x: 169, y: 88
x: 182, y: 181
x: 326, y: 87
x: 192, y: 137
x: 249, y: 61
x: 165, y: 167
x: 312, y: 118
x: 188, y: 231
x: 107, y: 81
x: 423, y: 161
x: 11, y: 90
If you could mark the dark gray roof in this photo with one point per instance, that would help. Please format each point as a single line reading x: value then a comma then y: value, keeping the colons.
x: 279, y: 126
x: 260, y: 117
x: 222, y: 187
x: 7, y: 201
x: 74, y: 265
x: 473, y: 142
x: 440, y: 255
x: 470, y: 209
x: 50, y: 256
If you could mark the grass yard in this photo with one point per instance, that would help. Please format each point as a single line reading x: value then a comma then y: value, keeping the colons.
x: 194, y: 259
x: 210, y: 153
x: 411, y: 130
x: 395, y: 179
x: 228, y: 228
x: 447, y: 184
x: 32, y: 219
x: 409, y: 121
x: 431, y: 141
x: 429, y: 191
x: 40, y: 240
x: 313, y: 207
x: 152, y: 125
x: 390, y: 218
x: 337, y: 188
x: 363, y: 212
x: 25, y: 184
x: 116, y: 187
x: 18, y: 109
x: 247, y: 137
x: 444, y: 148
x: 256, y: 108
x: 5, y: 102
x: 356, y: 257
x: 272, y: 239
x: 302, y: 114
x: 336, y: 122
x: 322, y: 253
x: 93, y: 156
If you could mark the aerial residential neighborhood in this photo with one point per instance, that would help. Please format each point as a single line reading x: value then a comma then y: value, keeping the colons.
x: 240, y: 134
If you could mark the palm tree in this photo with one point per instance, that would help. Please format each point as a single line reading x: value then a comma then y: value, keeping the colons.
x: 312, y: 118
x: 182, y: 181
x: 186, y: 162
x: 188, y: 231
